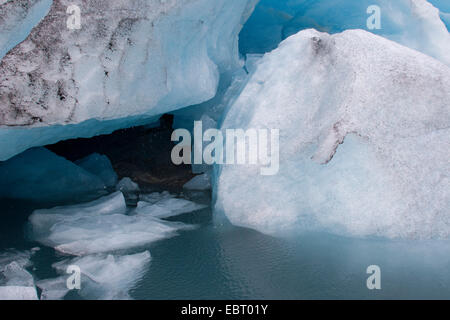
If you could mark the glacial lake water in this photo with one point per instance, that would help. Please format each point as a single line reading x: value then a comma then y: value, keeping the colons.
x: 235, y: 263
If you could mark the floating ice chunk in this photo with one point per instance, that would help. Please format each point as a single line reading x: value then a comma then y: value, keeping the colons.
x: 44, y: 219
x: 18, y: 293
x: 53, y: 289
x: 387, y: 104
x: 12, y: 269
x: 40, y: 175
x: 168, y: 207
x: 22, y: 258
x: 100, y: 226
x: 16, y: 283
x: 107, y: 277
x: 111, y: 233
x: 199, y: 183
x: 130, y: 190
x: 100, y: 166
x: 16, y: 275
x: 126, y: 185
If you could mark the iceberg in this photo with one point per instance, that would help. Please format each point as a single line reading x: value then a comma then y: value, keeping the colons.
x: 364, y: 140
x: 100, y: 166
x: 42, y: 176
x: 106, y: 225
x: 131, y: 61
x: 413, y: 23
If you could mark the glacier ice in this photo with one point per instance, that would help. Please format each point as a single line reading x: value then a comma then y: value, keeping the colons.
x: 17, y: 18
x: 106, y: 225
x: 103, y: 277
x: 131, y: 59
x: 364, y: 140
x: 100, y: 166
x: 414, y: 23
x: 40, y: 175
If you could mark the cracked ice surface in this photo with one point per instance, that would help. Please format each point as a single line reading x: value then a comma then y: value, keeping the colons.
x: 387, y: 104
x: 137, y: 58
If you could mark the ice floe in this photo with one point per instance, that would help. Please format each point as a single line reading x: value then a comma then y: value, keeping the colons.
x: 106, y: 225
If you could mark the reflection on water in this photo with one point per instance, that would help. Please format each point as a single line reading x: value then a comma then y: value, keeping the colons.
x: 237, y: 263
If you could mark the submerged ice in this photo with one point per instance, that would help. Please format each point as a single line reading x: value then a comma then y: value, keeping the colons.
x: 364, y: 140
x: 103, y: 277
